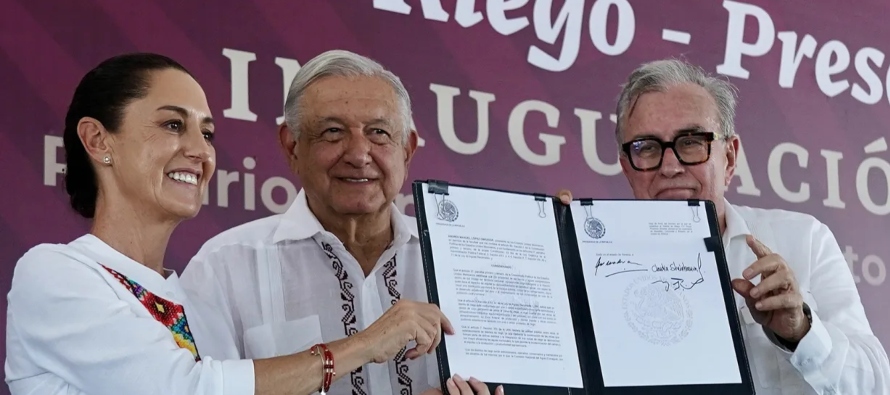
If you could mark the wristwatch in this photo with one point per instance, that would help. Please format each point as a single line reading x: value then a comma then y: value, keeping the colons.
x: 806, y: 313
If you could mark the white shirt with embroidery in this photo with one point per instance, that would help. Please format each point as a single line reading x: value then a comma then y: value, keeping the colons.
x: 73, y: 328
x: 283, y: 284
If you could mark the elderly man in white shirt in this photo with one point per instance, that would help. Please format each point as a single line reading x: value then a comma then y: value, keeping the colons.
x: 805, y: 328
x: 342, y: 254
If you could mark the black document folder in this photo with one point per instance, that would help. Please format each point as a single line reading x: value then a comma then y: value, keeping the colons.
x: 620, y: 297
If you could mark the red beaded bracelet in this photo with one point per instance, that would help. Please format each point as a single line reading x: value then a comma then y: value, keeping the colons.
x: 327, y: 366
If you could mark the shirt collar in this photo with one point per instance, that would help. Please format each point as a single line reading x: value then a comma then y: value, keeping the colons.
x: 735, y: 224
x: 96, y: 249
x: 111, y: 258
x: 298, y: 223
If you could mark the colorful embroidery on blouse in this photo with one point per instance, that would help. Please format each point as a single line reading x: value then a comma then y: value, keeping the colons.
x: 170, y: 314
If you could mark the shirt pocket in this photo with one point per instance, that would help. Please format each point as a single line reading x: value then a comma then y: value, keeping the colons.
x: 282, y: 338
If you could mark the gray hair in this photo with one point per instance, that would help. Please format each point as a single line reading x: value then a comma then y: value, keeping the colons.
x: 659, y: 75
x: 343, y: 64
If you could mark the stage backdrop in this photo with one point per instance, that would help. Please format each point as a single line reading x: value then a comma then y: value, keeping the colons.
x: 508, y: 94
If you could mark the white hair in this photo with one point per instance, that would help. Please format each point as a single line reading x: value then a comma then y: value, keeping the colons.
x: 659, y: 75
x: 344, y: 64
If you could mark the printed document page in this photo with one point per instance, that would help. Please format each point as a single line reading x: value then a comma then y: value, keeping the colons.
x: 655, y: 296
x: 501, y: 283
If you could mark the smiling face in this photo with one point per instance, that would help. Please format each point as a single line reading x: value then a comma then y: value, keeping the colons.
x: 351, y: 154
x: 663, y: 115
x: 162, y: 158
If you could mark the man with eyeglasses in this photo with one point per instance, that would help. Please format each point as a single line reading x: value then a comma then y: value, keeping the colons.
x: 804, y: 325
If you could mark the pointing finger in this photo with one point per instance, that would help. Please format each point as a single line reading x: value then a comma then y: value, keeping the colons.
x: 759, y: 249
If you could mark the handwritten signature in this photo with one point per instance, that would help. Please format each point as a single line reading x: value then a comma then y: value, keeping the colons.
x: 677, y: 282
x: 600, y: 263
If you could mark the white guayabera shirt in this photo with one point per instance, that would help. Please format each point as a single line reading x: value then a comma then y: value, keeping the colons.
x: 283, y: 284
x: 840, y: 354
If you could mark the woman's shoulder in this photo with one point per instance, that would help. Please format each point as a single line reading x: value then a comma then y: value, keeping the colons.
x: 53, y: 260
x: 40, y: 251
x: 57, y: 275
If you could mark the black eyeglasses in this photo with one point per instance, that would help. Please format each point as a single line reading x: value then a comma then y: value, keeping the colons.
x: 690, y: 148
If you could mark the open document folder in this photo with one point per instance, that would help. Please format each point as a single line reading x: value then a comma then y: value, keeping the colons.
x: 598, y: 297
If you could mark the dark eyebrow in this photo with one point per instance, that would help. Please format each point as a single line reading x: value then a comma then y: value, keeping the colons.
x: 183, y: 113
x: 645, y: 136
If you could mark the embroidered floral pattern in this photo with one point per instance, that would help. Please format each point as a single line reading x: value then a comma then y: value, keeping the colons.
x: 170, y: 314
x: 349, y: 320
x: 389, y: 278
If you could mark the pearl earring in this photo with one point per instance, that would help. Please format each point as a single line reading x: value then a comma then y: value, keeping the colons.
x: 107, y: 160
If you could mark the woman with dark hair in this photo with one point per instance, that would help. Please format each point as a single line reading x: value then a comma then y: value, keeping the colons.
x: 101, y: 315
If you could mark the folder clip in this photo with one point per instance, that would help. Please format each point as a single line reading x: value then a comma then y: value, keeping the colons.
x: 586, y: 202
x: 694, y: 204
x: 438, y: 187
x: 540, y: 198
